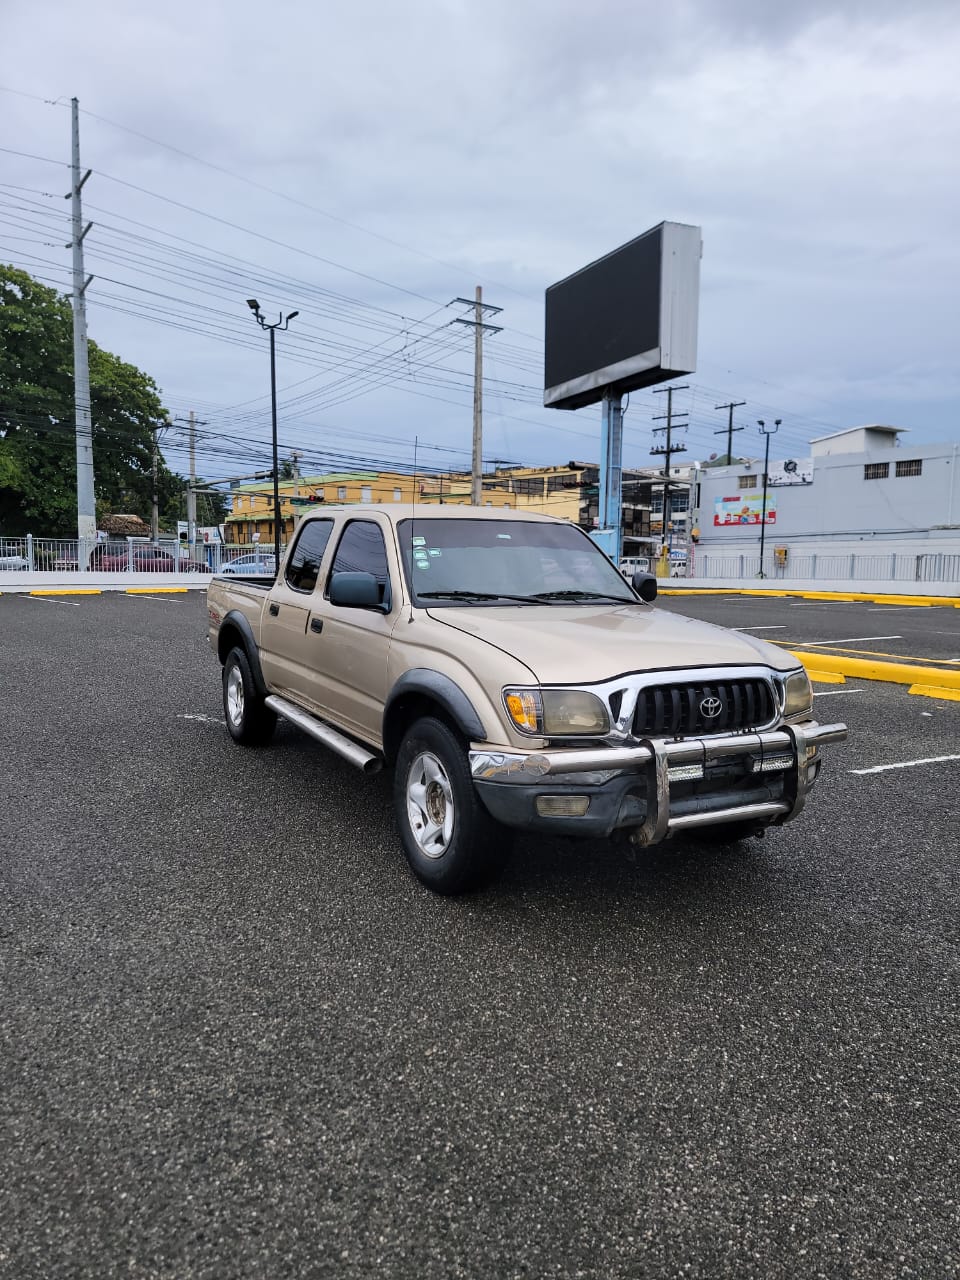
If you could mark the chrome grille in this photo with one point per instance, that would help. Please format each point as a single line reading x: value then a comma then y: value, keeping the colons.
x: 677, y: 710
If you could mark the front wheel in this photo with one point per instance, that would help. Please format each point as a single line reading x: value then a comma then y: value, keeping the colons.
x: 450, y: 841
x: 249, y: 721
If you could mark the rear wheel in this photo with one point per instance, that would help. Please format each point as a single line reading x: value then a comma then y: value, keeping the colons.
x: 249, y: 721
x: 450, y: 841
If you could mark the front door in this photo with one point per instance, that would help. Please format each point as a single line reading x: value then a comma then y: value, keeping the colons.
x: 353, y: 646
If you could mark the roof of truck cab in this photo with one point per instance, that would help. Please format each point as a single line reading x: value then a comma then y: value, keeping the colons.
x: 397, y: 511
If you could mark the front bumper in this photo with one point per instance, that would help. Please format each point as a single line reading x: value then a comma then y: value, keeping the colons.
x: 658, y: 787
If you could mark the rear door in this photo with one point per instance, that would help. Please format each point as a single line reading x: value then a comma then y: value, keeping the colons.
x: 288, y: 651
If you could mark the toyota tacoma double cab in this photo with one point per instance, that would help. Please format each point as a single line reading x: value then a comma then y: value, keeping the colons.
x: 503, y: 668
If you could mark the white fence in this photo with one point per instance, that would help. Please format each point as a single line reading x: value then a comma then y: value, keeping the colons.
x: 892, y: 567
x: 59, y: 556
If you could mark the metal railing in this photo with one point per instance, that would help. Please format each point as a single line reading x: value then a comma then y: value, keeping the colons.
x: 894, y: 566
x: 140, y: 555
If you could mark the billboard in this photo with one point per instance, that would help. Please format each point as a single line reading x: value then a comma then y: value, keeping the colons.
x: 791, y: 472
x: 743, y: 508
x: 627, y: 320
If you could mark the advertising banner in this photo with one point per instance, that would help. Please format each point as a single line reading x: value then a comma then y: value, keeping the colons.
x: 743, y: 508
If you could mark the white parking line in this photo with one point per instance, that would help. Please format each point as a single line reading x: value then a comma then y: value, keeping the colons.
x: 779, y: 627
x: 831, y: 693
x: 47, y: 600
x: 905, y: 764
x: 143, y: 596
x: 202, y: 719
x: 846, y: 640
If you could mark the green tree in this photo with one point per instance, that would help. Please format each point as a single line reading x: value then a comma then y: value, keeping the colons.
x: 38, y: 491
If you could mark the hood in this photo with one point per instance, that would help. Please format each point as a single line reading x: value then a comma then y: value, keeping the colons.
x: 585, y: 644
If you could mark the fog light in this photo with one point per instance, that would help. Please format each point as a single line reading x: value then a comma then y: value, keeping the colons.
x: 562, y: 806
x: 685, y: 772
x: 772, y: 764
x: 812, y: 772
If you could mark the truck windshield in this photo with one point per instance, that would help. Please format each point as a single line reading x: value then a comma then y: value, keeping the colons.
x: 506, y: 562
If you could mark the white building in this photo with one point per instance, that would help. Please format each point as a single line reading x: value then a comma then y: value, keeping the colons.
x: 860, y: 491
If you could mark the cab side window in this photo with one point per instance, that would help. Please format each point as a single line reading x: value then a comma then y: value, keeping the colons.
x: 363, y: 550
x: 303, y: 567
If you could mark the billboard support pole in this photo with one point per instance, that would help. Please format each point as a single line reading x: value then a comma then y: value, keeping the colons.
x: 610, y: 504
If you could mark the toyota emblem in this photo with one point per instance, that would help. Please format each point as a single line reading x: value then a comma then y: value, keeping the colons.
x: 710, y: 708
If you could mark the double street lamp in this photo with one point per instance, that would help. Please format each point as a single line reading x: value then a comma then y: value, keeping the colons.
x: 281, y: 324
x: 766, y: 463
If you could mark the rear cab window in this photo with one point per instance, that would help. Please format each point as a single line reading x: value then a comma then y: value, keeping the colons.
x: 303, y: 567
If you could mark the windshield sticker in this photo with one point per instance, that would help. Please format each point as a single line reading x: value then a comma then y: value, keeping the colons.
x: 507, y: 536
x: 435, y: 551
x: 419, y: 542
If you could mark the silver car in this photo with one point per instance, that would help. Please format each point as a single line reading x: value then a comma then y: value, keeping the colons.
x: 14, y: 562
x: 263, y: 562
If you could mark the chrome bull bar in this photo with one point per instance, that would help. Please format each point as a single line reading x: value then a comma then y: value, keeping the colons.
x: 789, y: 749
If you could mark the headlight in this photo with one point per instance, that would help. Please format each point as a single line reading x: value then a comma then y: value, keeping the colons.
x: 797, y: 694
x: 557, y: 713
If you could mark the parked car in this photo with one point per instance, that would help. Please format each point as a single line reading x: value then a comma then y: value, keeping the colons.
x: 262, y: 562
x: 14, y: 562
x: 145, y: 559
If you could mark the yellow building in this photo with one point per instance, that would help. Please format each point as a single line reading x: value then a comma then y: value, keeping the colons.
x: 556, y: 491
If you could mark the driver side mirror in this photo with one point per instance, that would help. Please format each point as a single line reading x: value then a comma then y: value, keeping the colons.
x: 355, y: 591
x: 645, y: 585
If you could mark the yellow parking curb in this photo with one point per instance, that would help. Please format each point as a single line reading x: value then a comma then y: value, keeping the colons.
x: 891, y: 672
x: 155, y: 591
x: 67, y: 591
x: 933, y: 691
x: 864, y: 597
x: 827, y: 677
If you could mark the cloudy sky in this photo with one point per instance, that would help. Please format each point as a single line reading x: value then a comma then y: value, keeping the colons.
x: 366, y: 164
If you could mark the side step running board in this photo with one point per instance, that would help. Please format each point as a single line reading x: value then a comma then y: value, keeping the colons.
x: 359, y: 756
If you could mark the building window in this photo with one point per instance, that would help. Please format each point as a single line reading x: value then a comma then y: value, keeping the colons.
x: 396, y: 495
x: 342, y: 493
x: 679, y: 500
x: 911, y: 468
x: 238, y: 504
x: 876, y: 470
x: 365, y: 493
x: 747, y: 482
x: 507, y: 505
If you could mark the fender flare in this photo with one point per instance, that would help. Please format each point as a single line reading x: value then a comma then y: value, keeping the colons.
x: 236, y: 620
x: 422, y: 682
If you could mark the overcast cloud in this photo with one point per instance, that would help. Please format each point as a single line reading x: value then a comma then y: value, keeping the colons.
x: 444, y: 145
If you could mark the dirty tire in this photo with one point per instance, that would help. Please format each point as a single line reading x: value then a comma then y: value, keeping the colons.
x: 449, y: 839
x: 249, y: 722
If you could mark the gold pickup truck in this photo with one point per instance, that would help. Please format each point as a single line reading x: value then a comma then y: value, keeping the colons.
x: 512, y: 678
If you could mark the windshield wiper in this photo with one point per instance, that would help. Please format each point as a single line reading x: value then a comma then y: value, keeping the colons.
x: 583, y: 595
x: 475, y: 595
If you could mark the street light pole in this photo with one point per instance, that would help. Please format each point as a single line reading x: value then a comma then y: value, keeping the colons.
x: 766, y: 463
x: 282, y: 324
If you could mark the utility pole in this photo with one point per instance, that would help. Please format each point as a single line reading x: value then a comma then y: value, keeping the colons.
x: 192, y: 491
x: 668, y: 451
x: 478, y: 325
x: 766, y: 463
x: 86, y: 500
x: 730, y: 428
x: 155, y: 505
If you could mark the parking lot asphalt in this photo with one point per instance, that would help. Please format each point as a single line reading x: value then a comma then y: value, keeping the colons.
x: 903, y: 633
x: 239, y: 1040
